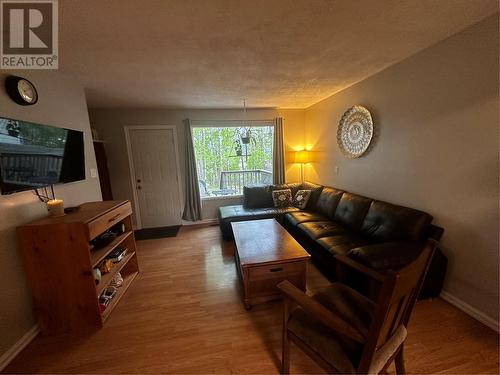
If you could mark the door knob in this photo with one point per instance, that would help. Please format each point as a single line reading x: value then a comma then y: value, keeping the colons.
x: 139, y: 180
x: 139, y: 188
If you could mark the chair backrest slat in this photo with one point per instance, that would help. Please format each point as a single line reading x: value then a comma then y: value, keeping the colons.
x: 395, y: 303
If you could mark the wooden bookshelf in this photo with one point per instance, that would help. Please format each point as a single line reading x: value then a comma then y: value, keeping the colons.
x: 59, y: 259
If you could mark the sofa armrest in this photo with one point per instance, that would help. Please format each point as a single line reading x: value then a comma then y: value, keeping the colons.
x: 387, y: 255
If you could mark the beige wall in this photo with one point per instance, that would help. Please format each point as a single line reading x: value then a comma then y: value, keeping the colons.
x: 61, y: 103
x: 110, y: 124
x: 437, y: 121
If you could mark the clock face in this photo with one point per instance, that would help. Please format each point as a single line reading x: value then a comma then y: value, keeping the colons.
x: 27, y: 91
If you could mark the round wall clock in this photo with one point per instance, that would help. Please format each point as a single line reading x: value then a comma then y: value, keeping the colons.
x: 20, y: 90
x: 355, y: 131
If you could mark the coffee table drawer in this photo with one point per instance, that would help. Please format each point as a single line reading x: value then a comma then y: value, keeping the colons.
x: 279, y: 271
x: 267, y: 287
x: 262, y: 280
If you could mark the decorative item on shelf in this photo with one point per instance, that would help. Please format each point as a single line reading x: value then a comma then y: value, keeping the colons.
x: 106, y: 297
x: 104, y: 239
x: 117, y: 254
x: 302, y: 157
x: 97, y: 275
x: 355, y: 131
x: 117, y: 280
x: 118, y: 229
x: 105, y: 266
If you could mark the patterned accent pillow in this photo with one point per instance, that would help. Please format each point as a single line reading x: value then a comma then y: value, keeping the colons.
x: 282, y: 198
x: 301, y: 198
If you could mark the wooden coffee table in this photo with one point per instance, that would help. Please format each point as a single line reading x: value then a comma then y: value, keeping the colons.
x: 267, y: 254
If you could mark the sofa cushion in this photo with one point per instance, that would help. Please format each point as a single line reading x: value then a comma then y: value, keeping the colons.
x: 257, y: 196
x: 342, y: 243
x: 352, y: 210
x: 388, y: 222
x: 296, y: 218
x: 318, y: 229
x: 316, y: 191
x: 387, y: 255
x: 244, y: 213
x: 328, y: 201
x: 229, y: 214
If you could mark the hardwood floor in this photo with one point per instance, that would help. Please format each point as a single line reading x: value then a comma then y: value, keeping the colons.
x: 184, y: 315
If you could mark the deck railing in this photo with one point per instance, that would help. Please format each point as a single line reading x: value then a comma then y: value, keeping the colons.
x: 232, y: 182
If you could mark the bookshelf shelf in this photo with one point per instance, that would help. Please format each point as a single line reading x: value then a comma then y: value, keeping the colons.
x: 98, y: 255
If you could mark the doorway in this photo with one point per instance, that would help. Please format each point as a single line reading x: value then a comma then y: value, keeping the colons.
x: 154, y: 171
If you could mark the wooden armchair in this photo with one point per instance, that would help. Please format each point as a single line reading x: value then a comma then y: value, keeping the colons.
x: 345, y: 332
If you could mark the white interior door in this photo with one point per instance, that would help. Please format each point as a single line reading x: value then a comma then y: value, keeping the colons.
x: 155, y: 176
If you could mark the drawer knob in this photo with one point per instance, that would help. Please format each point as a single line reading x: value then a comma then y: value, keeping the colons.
x: 277, y: 269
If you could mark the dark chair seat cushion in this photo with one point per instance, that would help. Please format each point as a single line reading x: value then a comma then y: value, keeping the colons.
x: 318, y: 229
x: 352, y: 307
x: 343, y: 243
x: 387, y: 255
x: 296, y: 218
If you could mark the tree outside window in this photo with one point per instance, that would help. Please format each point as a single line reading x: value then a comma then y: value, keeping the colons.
x: 228, y: 158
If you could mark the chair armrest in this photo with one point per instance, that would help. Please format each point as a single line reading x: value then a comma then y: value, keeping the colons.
x: 360, y: 267
x: 320, y: 312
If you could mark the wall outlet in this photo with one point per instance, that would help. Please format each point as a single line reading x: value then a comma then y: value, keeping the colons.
x: 93, y: 172
x: 336, y: 169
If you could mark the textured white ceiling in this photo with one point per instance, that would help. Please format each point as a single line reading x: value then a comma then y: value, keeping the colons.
x: 274, y: 53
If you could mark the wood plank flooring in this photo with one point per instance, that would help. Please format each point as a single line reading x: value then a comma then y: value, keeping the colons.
x: 183, y: 315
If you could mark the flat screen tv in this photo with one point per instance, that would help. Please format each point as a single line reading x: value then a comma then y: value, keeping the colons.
x: 35, y: 155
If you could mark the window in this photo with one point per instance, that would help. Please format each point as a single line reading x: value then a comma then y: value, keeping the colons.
x: 228, y: 158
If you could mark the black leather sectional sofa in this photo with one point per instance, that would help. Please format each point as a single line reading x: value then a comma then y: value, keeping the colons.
x: 378, y: 234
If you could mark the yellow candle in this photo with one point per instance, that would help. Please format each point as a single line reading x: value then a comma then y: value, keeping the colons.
x: 55, y: 207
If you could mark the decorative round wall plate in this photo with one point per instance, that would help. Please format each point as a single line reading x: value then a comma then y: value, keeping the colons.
x: 355, y: 131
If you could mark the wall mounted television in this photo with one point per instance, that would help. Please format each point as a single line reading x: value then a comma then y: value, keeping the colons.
x: 35, y: 155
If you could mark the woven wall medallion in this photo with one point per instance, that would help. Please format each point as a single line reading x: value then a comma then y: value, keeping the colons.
x: 355, y: 131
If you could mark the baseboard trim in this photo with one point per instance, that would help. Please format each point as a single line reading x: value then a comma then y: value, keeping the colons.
x: 200, y: 222
x: 470, y: 310
x: 22, y: 343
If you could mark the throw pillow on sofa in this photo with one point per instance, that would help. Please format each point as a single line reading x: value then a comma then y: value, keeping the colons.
x: 282, y: 198
x: 301, y: 198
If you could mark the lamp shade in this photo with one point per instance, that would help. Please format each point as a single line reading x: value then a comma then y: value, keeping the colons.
x: 302, y: 156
